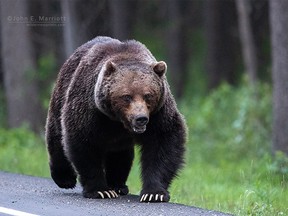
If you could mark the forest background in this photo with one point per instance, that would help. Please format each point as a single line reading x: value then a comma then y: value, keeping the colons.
x: 227, y: 67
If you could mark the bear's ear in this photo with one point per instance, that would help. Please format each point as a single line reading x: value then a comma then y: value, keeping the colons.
x: 160, y: 68
x: 110, y: 68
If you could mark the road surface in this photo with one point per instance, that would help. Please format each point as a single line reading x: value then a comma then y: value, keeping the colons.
x: 29, y: 196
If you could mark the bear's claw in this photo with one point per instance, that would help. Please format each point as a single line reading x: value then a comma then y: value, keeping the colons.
x: 101, y: 194
x: 110, y: 194
x: 153, y: 198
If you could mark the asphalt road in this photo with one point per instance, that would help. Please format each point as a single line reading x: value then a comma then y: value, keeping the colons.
x: 29, y: 196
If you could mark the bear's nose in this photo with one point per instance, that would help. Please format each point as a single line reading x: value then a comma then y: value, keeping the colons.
x: 141, y: 120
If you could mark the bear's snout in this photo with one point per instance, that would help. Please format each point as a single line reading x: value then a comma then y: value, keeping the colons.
x: 139, y: 123
x: 141, y: 120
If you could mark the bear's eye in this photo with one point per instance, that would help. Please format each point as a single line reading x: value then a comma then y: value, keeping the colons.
x: 148, y: 97
x: 126, y: 98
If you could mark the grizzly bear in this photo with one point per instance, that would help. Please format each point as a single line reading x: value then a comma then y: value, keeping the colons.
x: 109, y: 96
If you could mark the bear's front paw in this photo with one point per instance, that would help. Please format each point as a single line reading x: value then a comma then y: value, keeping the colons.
x: 100, y: 194
x: 160, y: 196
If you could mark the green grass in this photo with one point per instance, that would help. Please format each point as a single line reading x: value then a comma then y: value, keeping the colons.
x: 228, y: 163
x: 21, y: 151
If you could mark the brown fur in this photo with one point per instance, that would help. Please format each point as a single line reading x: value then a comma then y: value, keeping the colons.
x: 110, y: 95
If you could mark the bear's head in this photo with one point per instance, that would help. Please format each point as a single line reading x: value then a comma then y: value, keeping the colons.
x: 131, y: 92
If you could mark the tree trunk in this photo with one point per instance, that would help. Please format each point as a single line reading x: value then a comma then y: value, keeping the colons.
x: 73, y: 31
x: 119, y: 19
x: 279, y: 35
x: 46, y: 39
x: 247, y: 40
x: 221, y: 57
x: 177, y: 52
x: 259, y: 17
x: 20, y: 81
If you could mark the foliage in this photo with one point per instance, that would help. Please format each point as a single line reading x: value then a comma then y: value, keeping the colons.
x: 228, y: 163
x: 280, y: 164
x: 46, y: 72
x: 234, y: 118
x: 228, y: 154
x: 22, y: 152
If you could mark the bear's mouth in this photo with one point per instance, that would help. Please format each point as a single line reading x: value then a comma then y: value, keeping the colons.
x: 139, y: 130
x: 137, y: 124
x: 134, y: 128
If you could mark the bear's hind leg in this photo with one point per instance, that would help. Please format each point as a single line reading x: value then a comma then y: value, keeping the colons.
x: 61, y: 169
x: 118, y: 165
